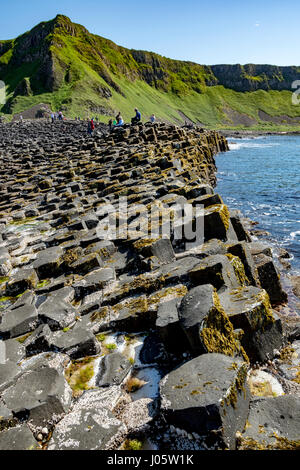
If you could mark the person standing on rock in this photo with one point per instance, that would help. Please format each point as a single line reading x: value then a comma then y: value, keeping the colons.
x: 52, y: 118
x: 137, y: 117
x: 91, y: 127
x: 152, y: 118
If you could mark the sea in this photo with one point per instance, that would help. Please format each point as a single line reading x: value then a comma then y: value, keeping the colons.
x: 261, y: 178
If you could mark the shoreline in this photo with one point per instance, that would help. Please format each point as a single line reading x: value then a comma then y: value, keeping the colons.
x: 242, y: 134
x: 280, y: 258
x: 284, y: 260
x: 152, y: 328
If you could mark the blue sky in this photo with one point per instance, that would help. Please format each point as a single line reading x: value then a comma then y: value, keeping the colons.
x: 207, y: 32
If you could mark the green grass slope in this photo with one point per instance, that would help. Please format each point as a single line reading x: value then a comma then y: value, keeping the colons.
x: 61, y: 64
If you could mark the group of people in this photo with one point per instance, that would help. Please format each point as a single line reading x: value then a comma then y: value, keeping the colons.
x: 57, y: 116
x: 119, y: 121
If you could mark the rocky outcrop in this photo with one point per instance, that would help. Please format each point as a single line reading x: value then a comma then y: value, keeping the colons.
x: 253, y: 77
x: 130, y: 300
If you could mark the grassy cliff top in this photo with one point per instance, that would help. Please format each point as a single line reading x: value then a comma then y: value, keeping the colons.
x: 61, y: 64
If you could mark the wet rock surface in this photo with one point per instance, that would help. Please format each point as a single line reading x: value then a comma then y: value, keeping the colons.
x: 100, y: 303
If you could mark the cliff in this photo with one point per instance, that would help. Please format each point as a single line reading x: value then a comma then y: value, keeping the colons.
x: 61, y: 64
x: 252, y: 77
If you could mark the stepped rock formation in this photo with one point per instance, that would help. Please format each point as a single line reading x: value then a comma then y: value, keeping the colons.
x: 135, y: 337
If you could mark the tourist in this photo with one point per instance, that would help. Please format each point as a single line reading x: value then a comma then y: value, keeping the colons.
x: 120, y: 123
x: 119, y: 120
x: 91, y: 127
x: 52, y: 118
x: 137, y: 117
x: 152, y: 118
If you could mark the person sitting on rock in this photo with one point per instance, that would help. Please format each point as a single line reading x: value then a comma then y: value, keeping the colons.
x: 137, y: 117
x: 152, y: 118
x: 120, y: 121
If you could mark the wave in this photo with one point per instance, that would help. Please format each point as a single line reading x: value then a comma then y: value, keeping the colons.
x: 295, y: 234
x: 239, y: 145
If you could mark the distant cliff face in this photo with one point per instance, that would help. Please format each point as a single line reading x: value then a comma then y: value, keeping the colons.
x: 83, y: 70
x: 252, y: 77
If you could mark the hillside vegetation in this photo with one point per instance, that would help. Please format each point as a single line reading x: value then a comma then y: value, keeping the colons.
x: 61, y: 64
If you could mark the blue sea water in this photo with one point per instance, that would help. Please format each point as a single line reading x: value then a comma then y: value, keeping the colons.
x: 261, y: 177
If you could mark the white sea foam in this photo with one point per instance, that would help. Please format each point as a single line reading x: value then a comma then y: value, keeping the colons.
x: 247, y: 144
x: 295, y: 234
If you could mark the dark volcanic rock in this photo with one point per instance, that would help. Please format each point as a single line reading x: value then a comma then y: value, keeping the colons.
x: 23, y: 280
x: 48, y: 262
x: 249, y: 309
x: 57, y: 314
x: 19, y: 321
x: 18, y: 438
x: 7, y: 419
x: 43, y: 393
x: 208, y: 396
x: 273, y: 424
x: 215, y: 270
x: 8, y: 373
x: 205, y: 323
x: 86, y: 429
x: 113, y: 369
x: 77, y: 259
x: 242, y: 251
x: 77, y: 343
x: 238, y: 227
x: 41, y: 340
x: 269, y: 279
x: 168, y: 326
x: 263, y: 344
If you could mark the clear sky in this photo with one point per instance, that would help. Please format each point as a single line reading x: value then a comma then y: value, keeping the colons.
x: 203, y: 31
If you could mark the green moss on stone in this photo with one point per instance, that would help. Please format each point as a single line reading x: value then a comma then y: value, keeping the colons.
x: 217, y: 333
